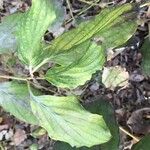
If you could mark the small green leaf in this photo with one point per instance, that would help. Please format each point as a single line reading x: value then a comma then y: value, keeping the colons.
x: 15, y: 98
x: 38, y: 132
x: 88, y: 29
x: 144, y: 144
x: 31, y: 30
x: 7, y: 28
x: 104, y: 108
x: 115, y: 76
x: 78, y: 72
x: 146, y: 57
x: 66, y: 120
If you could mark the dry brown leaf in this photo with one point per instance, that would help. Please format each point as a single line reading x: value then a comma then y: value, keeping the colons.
x: 138, y: 122
x: 19, y: 137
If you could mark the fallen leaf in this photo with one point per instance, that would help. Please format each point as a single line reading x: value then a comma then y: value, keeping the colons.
x: 115, y: 76
x: 19, y: 137
x: 138, y: 122
x: 4, y: 127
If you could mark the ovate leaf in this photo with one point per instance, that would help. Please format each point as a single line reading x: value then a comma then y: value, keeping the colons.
x: 66, y: 120
x: 118, y: 34
x: 146, y: 57
x: 88, y: 29
x: 32, y: 27
x: 104, y: 108
x: 144, y: 144
x: 78, y: 72
x: 15, y: 98
x: 8, y: 26
x: 115, y: 76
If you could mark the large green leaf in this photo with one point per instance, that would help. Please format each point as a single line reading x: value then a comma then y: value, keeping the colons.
x: 78, y: 72
x: 32, y: 27
x: 144, y: 144
x: 88, y: 29
x: 146, y: 57
x: 15, y: 98
x: 66, y: 120
x: 118, y: 34
x: 111, y: 38
x: 105, y: 109
x: 7, y: 28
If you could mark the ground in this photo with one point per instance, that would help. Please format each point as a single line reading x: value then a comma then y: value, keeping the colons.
x: 131, y: 104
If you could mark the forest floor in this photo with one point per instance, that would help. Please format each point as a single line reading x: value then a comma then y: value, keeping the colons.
x: 131, y: 103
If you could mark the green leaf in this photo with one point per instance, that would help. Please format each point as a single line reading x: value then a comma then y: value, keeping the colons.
x: 73, y: 55
x: 15, y: 98
x: 144, y: 144
x: 117, y: 34
x: 88, y: 29
x: 66, y: 120
x: 111, y: 38
x: 7, y: 28
x: 31, y: 30
x: 146, y: 57
x: 38, y: 132
x: 115, y: 76
x: 78, y: 72
x: 104, y: 108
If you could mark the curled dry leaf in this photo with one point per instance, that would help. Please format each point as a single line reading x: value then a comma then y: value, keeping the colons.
x: 115, y: 76
x: 139, y: 121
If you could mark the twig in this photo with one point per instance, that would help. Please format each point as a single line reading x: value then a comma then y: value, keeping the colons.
x: 20, y: 78
x: 129, y: 134
x: 69, y: 6
x: 13, y: 78
x: 146, y: 4
x: 90, y: 3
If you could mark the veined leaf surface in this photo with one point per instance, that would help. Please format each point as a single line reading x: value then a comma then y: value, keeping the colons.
x: 118, y: 34
x: 73, y: 55
x: 15, y: 98
x: 104, y: 108
x: 111, y: 38
x: 66, y: 120
x: 78, y: 72
x: 32, y: 27
x: 88, y: 29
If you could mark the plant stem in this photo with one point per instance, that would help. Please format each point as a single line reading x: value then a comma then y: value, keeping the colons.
x: 146, y: 4
x: 20, y: 78
x: 14, y: 78
x: 69, y: 6
x: 129, y: 134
